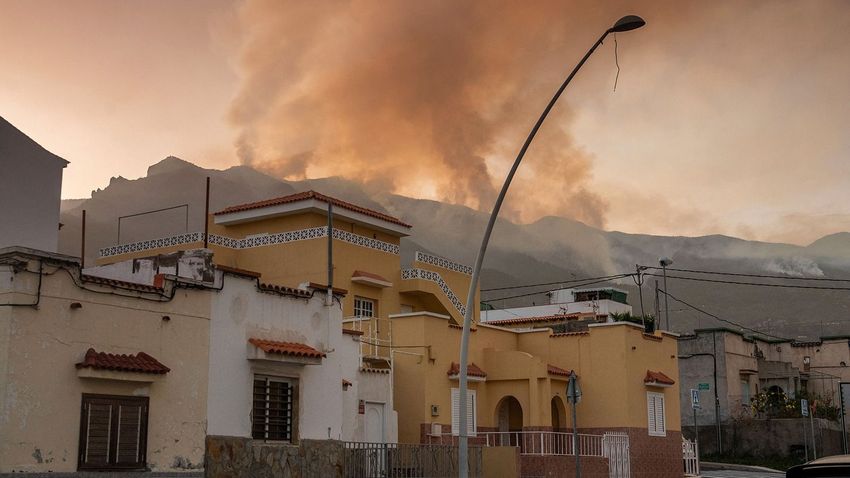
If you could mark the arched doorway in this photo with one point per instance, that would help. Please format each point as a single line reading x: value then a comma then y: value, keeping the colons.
x: 509, y: 419
x: 559, y: 414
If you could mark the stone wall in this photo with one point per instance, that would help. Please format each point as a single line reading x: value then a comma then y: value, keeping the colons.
x: 233, y: 457
x: 773, y: 437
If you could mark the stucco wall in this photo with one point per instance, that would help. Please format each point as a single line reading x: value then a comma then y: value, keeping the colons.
x: 41, y: 392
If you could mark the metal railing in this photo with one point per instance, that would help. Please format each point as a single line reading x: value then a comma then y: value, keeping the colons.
x: 391, y: 460
x: 539, y: 442
x: 377, y: 336
x: 690, y: 453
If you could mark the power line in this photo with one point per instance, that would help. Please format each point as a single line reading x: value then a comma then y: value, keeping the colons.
x: 761, y: 284
x: 543, y: 291
x: 552, y: 283
x: 762, y: 276
x: 719, y: 318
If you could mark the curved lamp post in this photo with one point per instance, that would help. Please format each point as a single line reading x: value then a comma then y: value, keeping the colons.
x: 627, y: 23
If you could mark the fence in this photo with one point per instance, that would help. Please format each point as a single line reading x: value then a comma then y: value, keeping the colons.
x: 545, y: 443
x: 690, y: 453
x: 391, y: 460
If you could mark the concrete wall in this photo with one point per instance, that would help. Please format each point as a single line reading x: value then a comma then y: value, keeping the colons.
x: 768, y: 438
x: 30, y: 191
x: 40, y: 391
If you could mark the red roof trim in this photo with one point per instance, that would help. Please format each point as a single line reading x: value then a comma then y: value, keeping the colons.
x: 139, y: 363
x: 460, y: 327
x: 472, y: 370
x: 352, y: 332
x: 121, y: 284
x: 553, y: 370
x: 368, y: 275
x: 571, y: 334
x: 294, y: 349
x: 543, y: 318
x: 238, y: 271
x: 324, y: 288
x: 657, y: 377
x: 281, y: 289
x: 303, y: 196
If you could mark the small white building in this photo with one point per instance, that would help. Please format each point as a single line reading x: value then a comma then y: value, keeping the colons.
x: 597, y: 302
x: 30, y: 191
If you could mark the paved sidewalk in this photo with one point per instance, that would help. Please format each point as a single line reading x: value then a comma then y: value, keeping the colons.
x: 740, y: 474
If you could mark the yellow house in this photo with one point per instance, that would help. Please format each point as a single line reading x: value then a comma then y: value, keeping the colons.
x: 410, y: 317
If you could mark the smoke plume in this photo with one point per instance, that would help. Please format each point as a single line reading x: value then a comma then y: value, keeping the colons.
x: 428, y: 99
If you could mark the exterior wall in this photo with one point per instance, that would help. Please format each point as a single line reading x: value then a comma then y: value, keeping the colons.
x: 30, y: 191
x: 40, y: 392
x: 699, y: 369
x: 825, y: 369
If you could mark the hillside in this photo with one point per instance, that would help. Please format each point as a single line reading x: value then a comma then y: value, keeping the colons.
x: 548, y: 250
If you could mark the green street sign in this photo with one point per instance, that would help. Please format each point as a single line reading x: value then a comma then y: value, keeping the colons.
x: 704, y: 386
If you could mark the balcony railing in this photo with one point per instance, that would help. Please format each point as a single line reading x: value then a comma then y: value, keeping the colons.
x: 538, y: 442
x: 376, y: 339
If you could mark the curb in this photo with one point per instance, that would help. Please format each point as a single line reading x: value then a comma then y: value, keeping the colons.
x: 714, y: 466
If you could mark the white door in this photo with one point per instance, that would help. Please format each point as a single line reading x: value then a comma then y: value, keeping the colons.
x: 375, y: 423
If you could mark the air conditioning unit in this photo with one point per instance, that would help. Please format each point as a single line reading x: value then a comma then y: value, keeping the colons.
x: 436, y: 429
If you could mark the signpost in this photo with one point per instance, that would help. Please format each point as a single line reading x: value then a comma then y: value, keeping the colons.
x: 704, y: 386
x: 804, y: 409
x: 695, y: 406
x: 574, y: 397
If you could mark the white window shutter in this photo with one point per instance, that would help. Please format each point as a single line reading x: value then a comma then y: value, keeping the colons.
x: 655, y: 414
x: 471, y: 407
x: 455, y: 411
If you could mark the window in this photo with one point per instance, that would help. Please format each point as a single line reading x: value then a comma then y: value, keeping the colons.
x: 113, y: 432
x: 272, y: 415
x: 655, y: 408
x: 364, y: 307
x: 472, y: 408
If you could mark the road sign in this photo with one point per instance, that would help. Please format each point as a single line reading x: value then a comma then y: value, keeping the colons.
x: 704, y: 386
x: 804, y: 407
x: 694, y: 398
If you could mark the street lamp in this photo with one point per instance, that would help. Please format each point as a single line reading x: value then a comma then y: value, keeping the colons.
x: 666, y: 261
x: 716, y: 396
x: 627, y: 23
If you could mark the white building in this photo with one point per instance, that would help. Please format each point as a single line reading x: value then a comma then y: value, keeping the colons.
x: 599, y: 302
x: 30, y: 191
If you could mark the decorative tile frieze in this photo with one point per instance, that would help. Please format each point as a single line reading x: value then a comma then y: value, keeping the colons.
x: 251, y: 241
x: 424, y: 274
x: 442, y: 262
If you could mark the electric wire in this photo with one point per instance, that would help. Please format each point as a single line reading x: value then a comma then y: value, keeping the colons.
x: 543, y: 291
x: 554, y: 283
x: 730, y: 322
x: 737, y: 274
x: 760, y: 284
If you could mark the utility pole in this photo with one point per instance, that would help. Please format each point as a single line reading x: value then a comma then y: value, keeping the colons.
x: 574, y: 396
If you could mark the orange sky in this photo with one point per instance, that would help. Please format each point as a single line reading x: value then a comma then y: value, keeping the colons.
x: 729, y: 117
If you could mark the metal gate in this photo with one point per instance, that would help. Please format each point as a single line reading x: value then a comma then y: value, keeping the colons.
x: 615, y: 447
x: 690, y: 453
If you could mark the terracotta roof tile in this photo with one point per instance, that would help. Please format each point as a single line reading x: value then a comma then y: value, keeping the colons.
x: 374, y: 370
x: 238, y: 271
x: 557, y: 370
x: 140, y: 363
x: 281, y: 289
x: 121, y: 284
x: 657, y: 377
x: 313, y: 195
x: 571, y: 334
x: 472, y: 370
x: 542, y: 318
x: 294, y: 349
x: 320, y: 287
x: 369, y: 275
x: 472, y: 328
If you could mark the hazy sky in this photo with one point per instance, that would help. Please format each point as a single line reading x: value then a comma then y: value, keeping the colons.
x: 729, y: 116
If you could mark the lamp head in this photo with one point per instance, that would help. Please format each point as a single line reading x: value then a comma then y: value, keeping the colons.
x: 665, y: 261
x: 629, y: 22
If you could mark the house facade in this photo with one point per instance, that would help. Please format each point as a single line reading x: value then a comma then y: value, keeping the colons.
x: 407, y: 320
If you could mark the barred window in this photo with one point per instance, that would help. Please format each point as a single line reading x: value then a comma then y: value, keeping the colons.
x: 272, y: 415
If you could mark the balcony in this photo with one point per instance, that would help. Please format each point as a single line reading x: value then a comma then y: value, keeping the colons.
x: 375, y: 341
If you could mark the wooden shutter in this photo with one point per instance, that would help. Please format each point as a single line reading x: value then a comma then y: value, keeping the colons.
x: 113, y: 432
